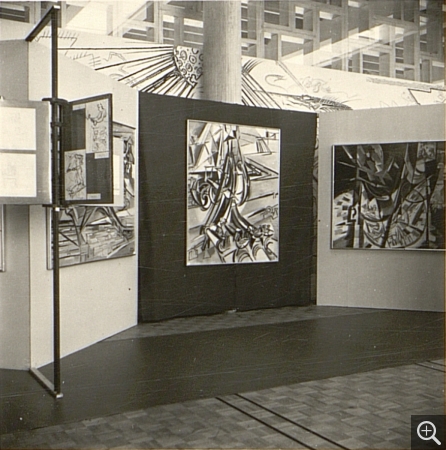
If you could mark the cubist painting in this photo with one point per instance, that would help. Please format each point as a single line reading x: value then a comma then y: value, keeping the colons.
x: 389, y: 196
x: 233, y: 174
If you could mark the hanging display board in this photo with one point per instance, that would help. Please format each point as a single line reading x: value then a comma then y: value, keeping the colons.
x: 24, y: 153
x: 87, y: 155
x: 90, y: 233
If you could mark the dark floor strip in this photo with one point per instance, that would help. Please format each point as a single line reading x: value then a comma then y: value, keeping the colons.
x: 292, y: 422
x: 283, y: 433
x: 436, y: 363
x: 127, y: 375
x: 429, y: 367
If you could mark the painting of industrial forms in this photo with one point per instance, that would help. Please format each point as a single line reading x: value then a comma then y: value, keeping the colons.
x: 389, y: 196
x: 90, y: 233
x: 232, y: 193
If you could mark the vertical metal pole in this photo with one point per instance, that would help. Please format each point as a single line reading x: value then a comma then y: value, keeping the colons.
x: 55, y: 113
x: 56, y: 123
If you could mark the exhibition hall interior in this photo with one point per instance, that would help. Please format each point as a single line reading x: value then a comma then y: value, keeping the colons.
x: 222, y: 224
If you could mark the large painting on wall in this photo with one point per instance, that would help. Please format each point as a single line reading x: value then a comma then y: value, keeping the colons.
x: 232, y: 193
x: 92, y: 233
x: 389, y: 196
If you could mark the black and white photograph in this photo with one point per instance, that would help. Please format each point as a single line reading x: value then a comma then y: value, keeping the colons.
x: 222, y: 224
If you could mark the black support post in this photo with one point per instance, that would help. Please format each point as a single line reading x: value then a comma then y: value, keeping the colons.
x: 52, y: 17
x: 55, y: 142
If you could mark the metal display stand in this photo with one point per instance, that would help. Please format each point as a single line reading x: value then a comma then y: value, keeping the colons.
x: 52, y: 18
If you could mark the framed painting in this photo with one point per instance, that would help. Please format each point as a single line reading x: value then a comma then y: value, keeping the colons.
x: 389, y: 196
x: 233, y: 177
x: 90, y: 233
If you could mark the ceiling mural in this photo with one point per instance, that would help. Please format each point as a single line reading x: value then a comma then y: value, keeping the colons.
x: 176, y: 70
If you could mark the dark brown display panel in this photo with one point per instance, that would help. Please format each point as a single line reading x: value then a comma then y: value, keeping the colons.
x: 87, y: 153
x: 167, y: 287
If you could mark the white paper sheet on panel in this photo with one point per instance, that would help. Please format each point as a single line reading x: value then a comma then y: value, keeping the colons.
x: 17, y: 128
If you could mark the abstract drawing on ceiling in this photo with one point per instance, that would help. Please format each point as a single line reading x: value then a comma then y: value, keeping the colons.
x: 154, y: 68
x: 99, y: 232
x: 232, y: 193
x: 177, y: 71
x: 159, y: 69
x: 389, y: 196
x: 275, y: 86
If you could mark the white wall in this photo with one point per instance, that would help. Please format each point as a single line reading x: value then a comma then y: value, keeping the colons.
x: 412, y: 280
x: 14, y: 282
x: 14, y: 291
x: 10, y: 29
x: 98, y: 299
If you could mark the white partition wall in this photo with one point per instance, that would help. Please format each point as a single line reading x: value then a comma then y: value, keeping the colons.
x: 394, y: 279
x: 14, y: 282
x: 14, y: 291
x: 98, y: 299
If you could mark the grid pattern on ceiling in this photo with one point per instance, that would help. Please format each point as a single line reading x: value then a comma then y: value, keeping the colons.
x: 392, y: 38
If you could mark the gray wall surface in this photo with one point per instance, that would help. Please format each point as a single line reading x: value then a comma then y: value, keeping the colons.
x: 394, y: 279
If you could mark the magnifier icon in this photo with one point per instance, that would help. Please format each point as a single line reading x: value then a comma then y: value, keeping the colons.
x: 428, y: 432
